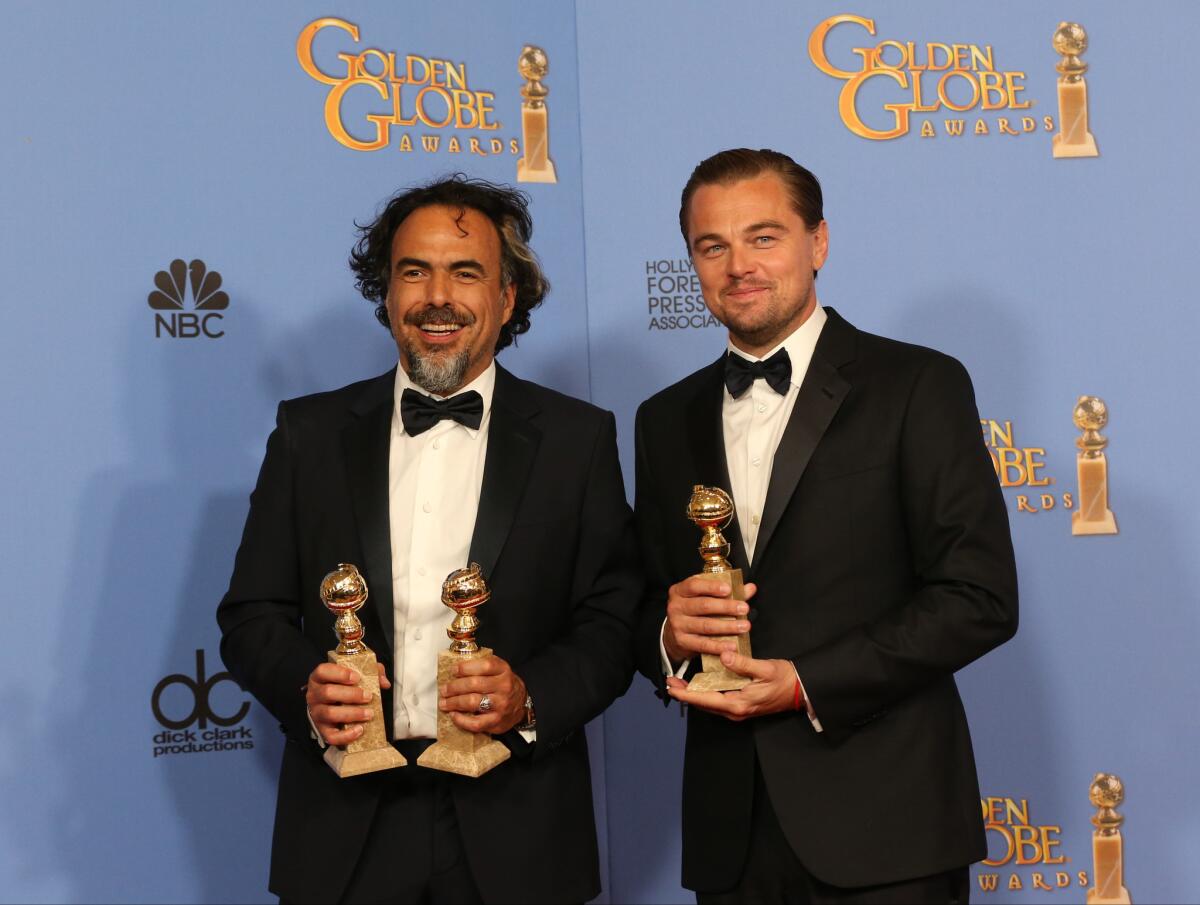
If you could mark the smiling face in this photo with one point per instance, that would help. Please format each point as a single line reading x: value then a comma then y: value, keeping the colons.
x: 446, y: 299
x: 755, y: 258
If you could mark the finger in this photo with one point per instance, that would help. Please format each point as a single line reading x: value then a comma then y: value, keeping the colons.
x: 748, y: 666
x: 701, y: 586
x: 468, y: 703
x: 383, y: 679
x: 701, y: 644
x: 709, y: 625
x: 750, y: 590
x: 338, y: 716
x: 673, y: 682
x: 484, y: 666
x: 337, y: 694
x: 708, y: 606
x: 333, y: 674
x: 480, y: 722
x: 340, y: 737
x: 712, y: 701
x: 475, y: 684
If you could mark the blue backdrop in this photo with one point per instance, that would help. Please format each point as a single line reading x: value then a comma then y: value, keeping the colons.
x: 137, y: 134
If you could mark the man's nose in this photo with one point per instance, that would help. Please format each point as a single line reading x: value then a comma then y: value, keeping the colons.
x: 738, y: 263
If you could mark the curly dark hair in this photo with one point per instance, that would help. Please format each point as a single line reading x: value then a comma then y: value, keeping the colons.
x: 507, y: 208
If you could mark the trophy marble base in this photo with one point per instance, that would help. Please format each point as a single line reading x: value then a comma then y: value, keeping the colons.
x: 371, y: 751
x: 1093, y: 515
x: 716, y: 676
x: 457, y: 750
x: 1074, y: 139
x: 1108, y: 864
x: 535, y: 164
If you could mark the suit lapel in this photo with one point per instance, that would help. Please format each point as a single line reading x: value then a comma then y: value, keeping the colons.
x: 706, y: 441
x: 366, y: 441
x: 821, y: 395
x: 512, y: 445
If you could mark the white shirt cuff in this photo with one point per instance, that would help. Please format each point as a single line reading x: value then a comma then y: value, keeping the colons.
x: 812, y: 714
x: 667, y: 668
x: 313, y: 728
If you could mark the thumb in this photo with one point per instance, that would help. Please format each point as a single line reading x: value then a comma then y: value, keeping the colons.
x: 746, y: 666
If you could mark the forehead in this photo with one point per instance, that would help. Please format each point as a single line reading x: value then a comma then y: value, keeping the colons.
x: 443, y: 231
x: 717, y: 207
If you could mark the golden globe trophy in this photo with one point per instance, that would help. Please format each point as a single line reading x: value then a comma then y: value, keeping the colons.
x: 535, y: 165
x: 1073, y: 138
x: 344, y: 591
x: 457, y: 750
x: 1093, y: 515
x: 1108, y: 864
x: 711, y: 509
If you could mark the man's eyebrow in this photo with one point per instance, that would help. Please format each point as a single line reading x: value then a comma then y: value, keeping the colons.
x: 707, y: 237
x: 765, y: 224
x: 411, y: 262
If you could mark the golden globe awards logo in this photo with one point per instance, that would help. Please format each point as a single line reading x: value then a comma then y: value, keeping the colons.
x: 426, y: 103
x: 1022, y: 853
x: 1023, y: 468
x: 184, y: 707
x: 169, y: 301
x: 941, y: 89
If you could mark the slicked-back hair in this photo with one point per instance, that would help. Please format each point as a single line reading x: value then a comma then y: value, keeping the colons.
x: 736, y: 164
x: 506, y: 208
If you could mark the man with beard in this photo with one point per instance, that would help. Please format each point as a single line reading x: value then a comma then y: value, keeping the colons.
x: 872, y: 533
x: 447, y: 459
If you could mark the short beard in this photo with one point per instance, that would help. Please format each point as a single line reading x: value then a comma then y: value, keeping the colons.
x: 437, y: 373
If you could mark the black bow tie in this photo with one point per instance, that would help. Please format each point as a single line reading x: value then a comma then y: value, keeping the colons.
x: 741, y: 372
x: 420, y: 412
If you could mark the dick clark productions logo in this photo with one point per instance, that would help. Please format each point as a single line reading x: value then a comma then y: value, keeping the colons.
x: 178, y: 735
x: 169, y: 301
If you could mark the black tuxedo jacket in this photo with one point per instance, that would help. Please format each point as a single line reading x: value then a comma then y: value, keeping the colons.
x: 883, y: 564
x: 555, y: 538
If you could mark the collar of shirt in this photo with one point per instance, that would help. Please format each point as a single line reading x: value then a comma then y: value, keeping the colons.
x: 800, y: 345
x: 484, y: 385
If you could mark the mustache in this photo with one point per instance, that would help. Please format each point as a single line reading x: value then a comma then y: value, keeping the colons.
x: 439, y: 316
x: 748, y: 284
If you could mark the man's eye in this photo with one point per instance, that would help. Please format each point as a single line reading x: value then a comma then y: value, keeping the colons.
x: 468, y: 275
x: 764, y: 240
x: 714, y: 249
x: 411, y: 274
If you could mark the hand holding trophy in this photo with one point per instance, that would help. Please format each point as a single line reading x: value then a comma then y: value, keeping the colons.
x: 344, y: 591
x: 457, y: 750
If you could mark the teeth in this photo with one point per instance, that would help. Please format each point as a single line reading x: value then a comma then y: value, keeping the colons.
x: 440, y: 328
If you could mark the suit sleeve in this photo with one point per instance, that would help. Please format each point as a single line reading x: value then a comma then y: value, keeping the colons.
x: 964, y: 601
x: 261, y: 640
x: 650, y: 532
x: 576, y: 677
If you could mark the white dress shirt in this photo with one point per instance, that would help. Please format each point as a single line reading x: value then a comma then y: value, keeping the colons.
x: 752, y: 426
x: 434, y: 481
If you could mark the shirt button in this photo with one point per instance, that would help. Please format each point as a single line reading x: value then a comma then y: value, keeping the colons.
x: 762, y: 406
x: 415, y: 700
x: 755, y: 461
x: 420, y: 570
x: 425, y: 507
x: 754, y: 520
x: 437, y: 444
x: 417, y: 634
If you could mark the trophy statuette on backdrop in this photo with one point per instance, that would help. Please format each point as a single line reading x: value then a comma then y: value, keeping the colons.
x: 1073, y: 139
x: 457, y: 750
x: 1093, y: 515
x: 344, y: 591
x: 711, y: 509
x: 535, y: 164
x: 1108, y: 857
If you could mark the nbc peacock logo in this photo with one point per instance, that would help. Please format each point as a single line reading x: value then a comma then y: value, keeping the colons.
x: 169, y: 299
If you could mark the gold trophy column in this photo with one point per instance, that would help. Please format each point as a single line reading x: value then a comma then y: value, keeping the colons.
x: 711, y: 509
x: 457, y: 750
x: 1093, y: 515
x: 344, y: 591
x: 1073, y: 138
x: 1108, y: 865
x: 535, y: 165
